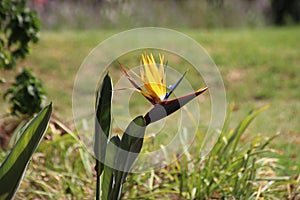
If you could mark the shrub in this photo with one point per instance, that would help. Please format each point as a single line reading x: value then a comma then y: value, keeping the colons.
x: 26, y: 95
x: 18, y: 27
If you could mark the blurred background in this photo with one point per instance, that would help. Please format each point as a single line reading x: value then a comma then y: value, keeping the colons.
x: 254, y: 43
x: 93, y: 14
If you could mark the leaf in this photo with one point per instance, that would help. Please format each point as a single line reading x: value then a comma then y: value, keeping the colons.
x: 130, y: 146
x: 109, y: 171
x: 14, y: 166
x: 102, y: 122
x: 238, y: 131
x: 131, y: 143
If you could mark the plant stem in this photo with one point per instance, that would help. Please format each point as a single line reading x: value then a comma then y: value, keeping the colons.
x: 98, y: 182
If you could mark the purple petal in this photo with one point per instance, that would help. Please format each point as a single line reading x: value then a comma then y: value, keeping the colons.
x: 173, y: 87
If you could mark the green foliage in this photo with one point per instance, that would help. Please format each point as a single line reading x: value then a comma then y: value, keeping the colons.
x: 109, y: 171
x: 129, y: 147
x: 232, y: 170
x: 26, y: 95
x: 102, y: 127
x: 102, y: 122
x: 122, y: 154
x: 18, y: 27
x: 64, y: 175
x: 14, y: 166
x: 120, y: 159
x: 60, y: 168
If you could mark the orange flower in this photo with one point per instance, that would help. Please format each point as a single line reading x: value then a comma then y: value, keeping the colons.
x: 153, y: 77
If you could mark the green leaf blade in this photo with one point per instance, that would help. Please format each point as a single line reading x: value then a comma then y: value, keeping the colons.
x: 102, y: 122
x: 130, y: 146
x: 236, y: 135
x: 109, y: 171
x: 13, y: 168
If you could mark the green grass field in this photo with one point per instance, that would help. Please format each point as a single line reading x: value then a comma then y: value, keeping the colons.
x: 258, y: 66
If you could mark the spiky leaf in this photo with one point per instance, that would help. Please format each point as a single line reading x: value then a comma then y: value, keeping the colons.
x: 130, y: 146
x: 13, y: 168
x: 102, y: 122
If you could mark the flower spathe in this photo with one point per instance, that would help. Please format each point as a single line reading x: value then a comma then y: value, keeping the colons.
x: 153, y: 77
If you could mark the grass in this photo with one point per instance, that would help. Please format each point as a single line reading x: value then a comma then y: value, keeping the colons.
x: 259, y: 66
x: 230, y: 171
x: 240, y: 171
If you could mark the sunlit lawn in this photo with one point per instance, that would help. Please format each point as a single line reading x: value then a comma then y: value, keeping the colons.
x: 259, y: 66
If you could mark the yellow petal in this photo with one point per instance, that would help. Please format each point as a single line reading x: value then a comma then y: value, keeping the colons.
x: 161, y: 71
x: 151, y: 75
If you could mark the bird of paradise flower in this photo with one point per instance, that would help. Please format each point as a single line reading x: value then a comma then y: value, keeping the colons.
x: 153, y: 77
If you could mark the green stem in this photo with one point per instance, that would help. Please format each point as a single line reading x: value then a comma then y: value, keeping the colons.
x: 98, y: 183
x: 117, y: 190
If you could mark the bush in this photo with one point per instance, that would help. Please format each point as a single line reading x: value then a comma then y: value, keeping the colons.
x: 18, y: 27
x: 26, y: 95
